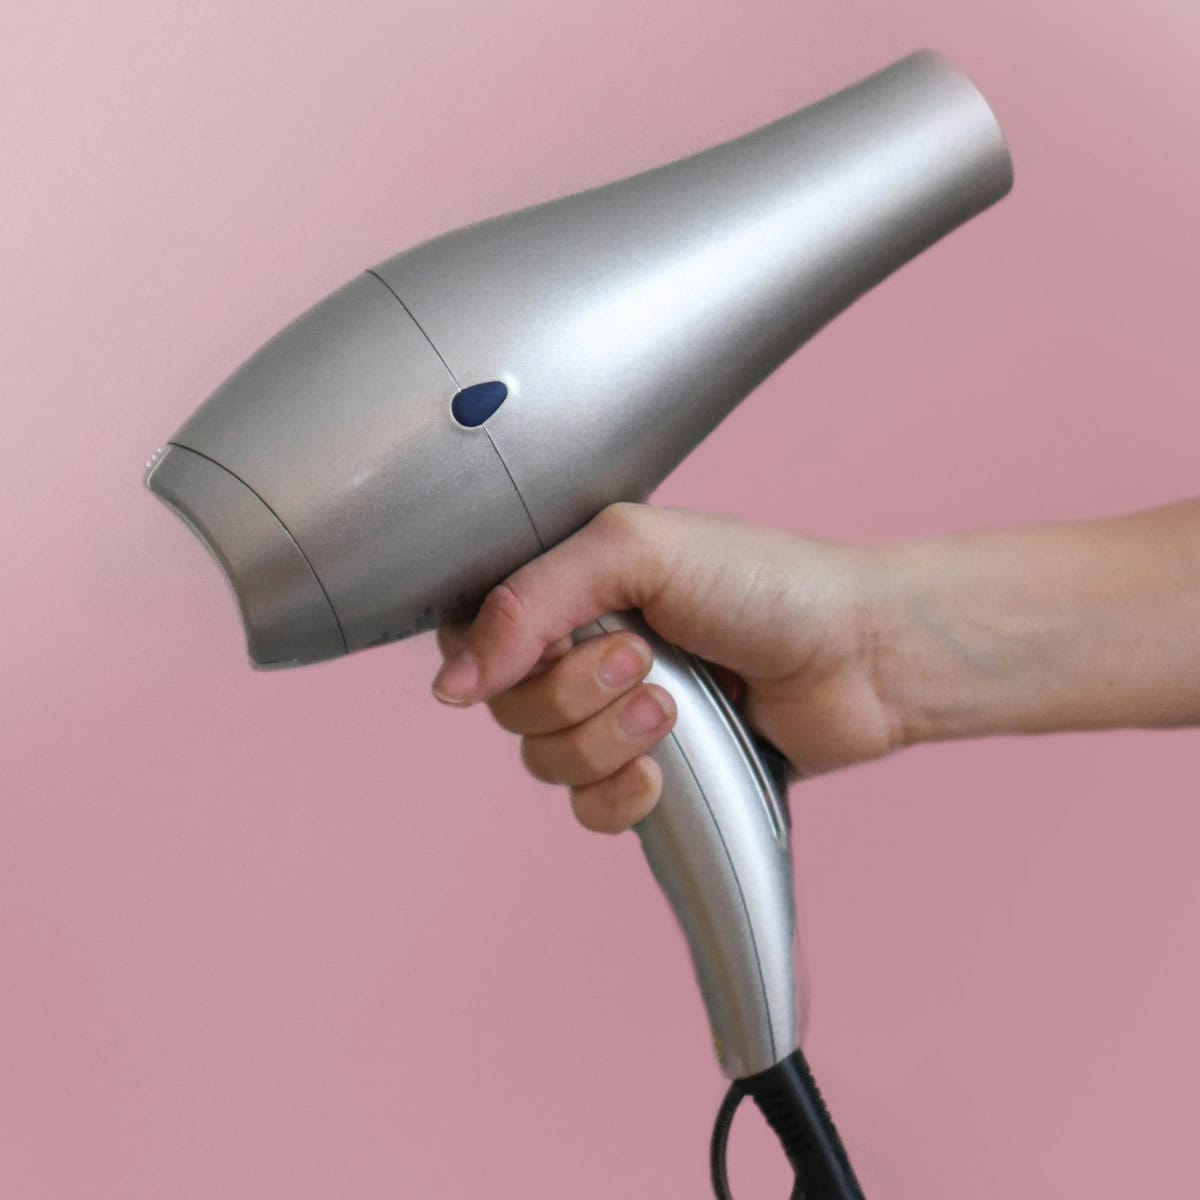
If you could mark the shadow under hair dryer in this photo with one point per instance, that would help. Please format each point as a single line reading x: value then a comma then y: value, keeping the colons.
x: 446, y: 416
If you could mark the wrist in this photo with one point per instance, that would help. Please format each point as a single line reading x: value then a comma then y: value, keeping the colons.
x: 962, y: 645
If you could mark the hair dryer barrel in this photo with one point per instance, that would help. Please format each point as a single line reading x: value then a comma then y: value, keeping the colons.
x: 628, y: 320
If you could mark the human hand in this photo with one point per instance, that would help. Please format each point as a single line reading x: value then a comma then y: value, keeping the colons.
x: 793, y: 617
x: 846, y: 652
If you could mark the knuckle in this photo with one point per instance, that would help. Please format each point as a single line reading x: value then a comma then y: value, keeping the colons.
x: 618, y: 802
x: 594, y: 813
x: 559, y: 696
x: 621, y: 521
x: 506, y: 714
x: 557, y: 650
x: 593, y: 757
x: 503, y: 605
x: 636, y: 534
x: 533, y: 758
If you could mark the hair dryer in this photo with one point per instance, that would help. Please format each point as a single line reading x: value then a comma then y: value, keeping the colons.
x: 444, y: 417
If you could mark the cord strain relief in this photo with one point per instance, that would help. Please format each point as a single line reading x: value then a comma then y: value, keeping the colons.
x: 791, y: 1102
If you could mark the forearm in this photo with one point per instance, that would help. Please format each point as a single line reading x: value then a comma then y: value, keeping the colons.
x: 1088, y: 625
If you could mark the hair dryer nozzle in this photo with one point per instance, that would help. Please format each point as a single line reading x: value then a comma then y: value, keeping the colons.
x: 330, y: 478
x: 286, y: 613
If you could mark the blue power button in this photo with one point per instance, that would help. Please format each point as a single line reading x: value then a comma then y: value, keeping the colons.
x: 473, y: 405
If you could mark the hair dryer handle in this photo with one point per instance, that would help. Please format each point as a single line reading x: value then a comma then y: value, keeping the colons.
x: 717, y: 842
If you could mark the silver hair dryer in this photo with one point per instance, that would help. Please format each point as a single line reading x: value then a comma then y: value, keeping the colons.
x: 413, y: 438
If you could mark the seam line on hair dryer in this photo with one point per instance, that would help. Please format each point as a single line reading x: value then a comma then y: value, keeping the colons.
x: 457, y: 383
x: 299, y: 548
x: 762, y: 983
x: 413, y: 319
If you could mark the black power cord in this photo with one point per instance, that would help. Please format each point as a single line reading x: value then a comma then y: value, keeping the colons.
x: 789, y: 1098
x: 720, y: 1140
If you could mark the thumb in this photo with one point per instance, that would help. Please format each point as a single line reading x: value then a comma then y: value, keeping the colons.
x: 612, y: 563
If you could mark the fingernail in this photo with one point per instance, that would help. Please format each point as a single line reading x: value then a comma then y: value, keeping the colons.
x: 624, y: 663
x: 458, y: 677
x: 642, y: 714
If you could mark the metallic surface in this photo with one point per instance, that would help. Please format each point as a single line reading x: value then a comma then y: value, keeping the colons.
x: 625, y: 322
x: 341, y: 425
x: 717, y: 842
x: 283, y: 606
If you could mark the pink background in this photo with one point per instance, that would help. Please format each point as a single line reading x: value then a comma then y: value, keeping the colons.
x: 304, y: 935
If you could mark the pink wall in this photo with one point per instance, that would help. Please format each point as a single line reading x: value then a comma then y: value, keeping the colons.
x: 277, y: 935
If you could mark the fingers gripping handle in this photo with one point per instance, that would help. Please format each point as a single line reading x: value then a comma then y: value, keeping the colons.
x: 717, y: 843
